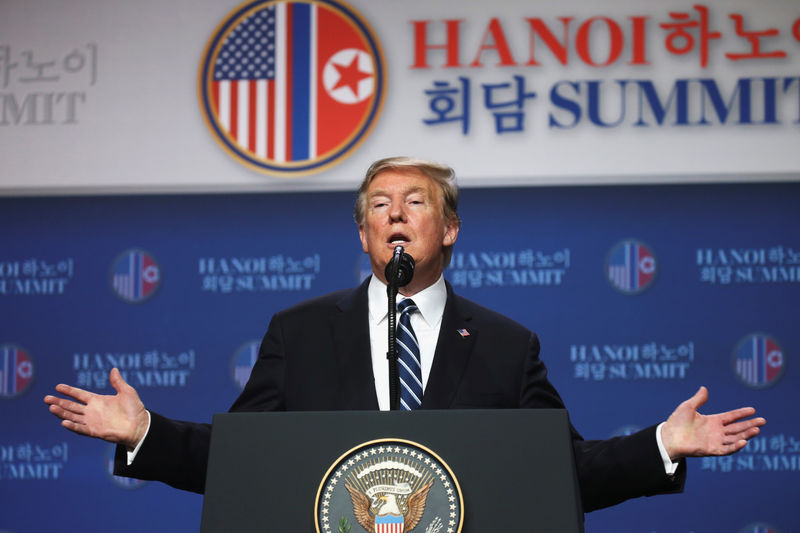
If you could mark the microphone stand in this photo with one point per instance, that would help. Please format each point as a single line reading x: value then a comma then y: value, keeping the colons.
x: 391, y: 354
x: 398, y: 273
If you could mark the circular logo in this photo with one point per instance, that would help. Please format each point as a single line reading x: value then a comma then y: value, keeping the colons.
x: 758, y: 528
x: 758, y: 361
x: 624, y: 431
x: 243, y: 361
x: 363, y: 268
x: 292, y: 87
x: 16, y: 371
x: 135, y: 276
x: 631, y: 267
x: 120, y: 481
x: 389, y: 486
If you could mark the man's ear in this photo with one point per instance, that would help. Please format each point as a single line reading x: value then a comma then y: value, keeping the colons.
x: 450, y: 235
x: 363, y: 236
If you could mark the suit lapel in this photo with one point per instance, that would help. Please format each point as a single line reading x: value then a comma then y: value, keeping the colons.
x: 351, y: 343
x: 453, y: 350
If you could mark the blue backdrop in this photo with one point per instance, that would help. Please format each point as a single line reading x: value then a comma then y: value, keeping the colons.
x: 639, y: 296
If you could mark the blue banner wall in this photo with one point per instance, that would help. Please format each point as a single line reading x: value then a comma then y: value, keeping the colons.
x: 640, y: 294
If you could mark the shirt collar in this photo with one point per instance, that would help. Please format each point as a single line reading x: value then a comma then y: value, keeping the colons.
x: 430, y: 301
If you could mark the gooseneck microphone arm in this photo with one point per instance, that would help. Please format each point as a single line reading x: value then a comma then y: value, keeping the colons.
x: 398, y: 274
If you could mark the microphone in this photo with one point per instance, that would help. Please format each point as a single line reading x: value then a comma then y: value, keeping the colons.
x: 398, y: 273
x: 400, y: 269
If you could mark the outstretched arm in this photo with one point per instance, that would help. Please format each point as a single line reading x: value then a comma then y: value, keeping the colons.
x: 119, y: 418
x: 687, y: 433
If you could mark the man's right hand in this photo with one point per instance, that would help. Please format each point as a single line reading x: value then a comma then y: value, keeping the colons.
x: 120, y: 418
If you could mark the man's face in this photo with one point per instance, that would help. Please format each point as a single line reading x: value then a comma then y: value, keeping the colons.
x: 404, y: 208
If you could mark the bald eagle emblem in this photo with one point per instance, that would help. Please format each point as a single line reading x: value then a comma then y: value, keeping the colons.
x: 394, y: 508
x: 389, y: 486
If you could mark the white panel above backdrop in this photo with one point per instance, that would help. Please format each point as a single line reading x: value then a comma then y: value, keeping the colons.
x: 102, y: 96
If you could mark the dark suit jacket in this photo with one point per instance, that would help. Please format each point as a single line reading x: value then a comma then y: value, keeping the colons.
x: 329, y: 367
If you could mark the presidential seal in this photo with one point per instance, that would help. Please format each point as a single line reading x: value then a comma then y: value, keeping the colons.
x: 389, y: 486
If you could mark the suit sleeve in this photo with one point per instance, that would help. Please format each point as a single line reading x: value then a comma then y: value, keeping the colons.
x: 609, y: 471
x: 176, y: 452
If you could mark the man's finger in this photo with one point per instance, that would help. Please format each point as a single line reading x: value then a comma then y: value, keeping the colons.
x: 735, y: 447
x: 115, y: 378
x: 80, y: 429
x: 746, y: 434
x: 65, y: 404
x: 66, y: 415
x: 737, y: 414
x: 700, y: 397
x: 744, y: 425
x: 74, y: 392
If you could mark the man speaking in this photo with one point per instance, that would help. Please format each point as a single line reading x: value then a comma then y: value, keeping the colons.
x: 329, y: 353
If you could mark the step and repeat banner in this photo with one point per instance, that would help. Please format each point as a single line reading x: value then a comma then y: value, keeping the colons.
x: 174, y: 173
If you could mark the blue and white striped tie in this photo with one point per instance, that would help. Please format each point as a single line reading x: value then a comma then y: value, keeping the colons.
x: 408, y: 361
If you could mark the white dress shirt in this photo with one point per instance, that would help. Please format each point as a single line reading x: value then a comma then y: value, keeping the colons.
x: 426, y: 323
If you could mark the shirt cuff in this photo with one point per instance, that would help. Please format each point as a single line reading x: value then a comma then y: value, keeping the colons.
x: 132, y: 455
x: 669, y: 467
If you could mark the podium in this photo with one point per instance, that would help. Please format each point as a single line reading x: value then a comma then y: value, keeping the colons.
x: 272, y: 472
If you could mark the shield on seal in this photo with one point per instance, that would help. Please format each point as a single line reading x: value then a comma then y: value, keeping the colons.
x: 389, y: 523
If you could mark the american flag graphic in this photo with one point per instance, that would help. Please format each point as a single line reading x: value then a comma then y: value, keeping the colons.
x: 243, y: 363
x: 292, y: 84
x: 631, y: 266
x: 759, y: 360
x: 759, y: 528
x: 16, y: 371
x: 135, y: 276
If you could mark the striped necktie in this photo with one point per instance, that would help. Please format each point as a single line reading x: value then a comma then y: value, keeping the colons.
x: 408, y: 361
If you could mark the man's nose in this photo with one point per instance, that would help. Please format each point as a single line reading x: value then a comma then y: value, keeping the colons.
x: 396, y: 212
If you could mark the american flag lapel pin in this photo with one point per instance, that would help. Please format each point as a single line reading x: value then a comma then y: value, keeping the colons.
x: 463, y: 332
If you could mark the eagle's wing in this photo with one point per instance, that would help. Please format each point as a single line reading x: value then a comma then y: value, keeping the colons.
x: 361, y: 508
x: 416, y: 506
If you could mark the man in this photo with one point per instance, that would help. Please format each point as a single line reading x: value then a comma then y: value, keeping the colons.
x: 342, y: 365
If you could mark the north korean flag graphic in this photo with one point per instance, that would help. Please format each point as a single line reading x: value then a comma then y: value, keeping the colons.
x: 759, y: 360
x: 16, y: 371
x: 291, y: 87
x: 759, y: 528
x: 631, y: 266
x: 135, y: 276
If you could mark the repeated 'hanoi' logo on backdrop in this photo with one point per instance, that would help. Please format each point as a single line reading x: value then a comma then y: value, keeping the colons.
x: 291, y: 87
x: 16, y: 371
x: 631, y: 266
x: 135, y: 276
x: 758, y: 361
x: 759, y: 528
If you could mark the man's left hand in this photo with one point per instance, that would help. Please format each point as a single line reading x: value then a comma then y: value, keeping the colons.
x: 687, y: 433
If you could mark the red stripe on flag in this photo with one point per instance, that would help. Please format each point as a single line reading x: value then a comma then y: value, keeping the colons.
x: 233, y: 128
x: 288, y: 131
x: 215, y: 98
x: 773, y: 364
x: 271, y: 120
x: 251, y: 145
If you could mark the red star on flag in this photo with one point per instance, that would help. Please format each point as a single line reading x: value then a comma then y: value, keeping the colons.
x: 350, y: 75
